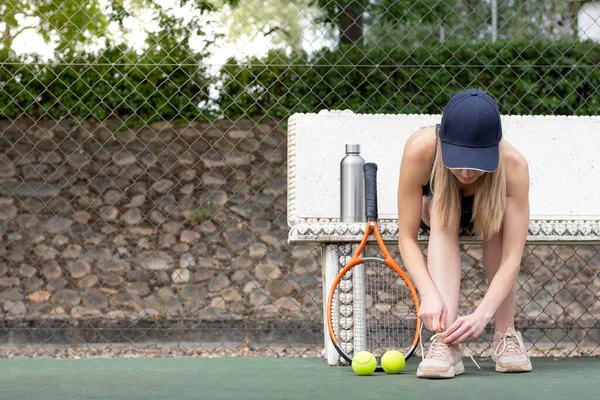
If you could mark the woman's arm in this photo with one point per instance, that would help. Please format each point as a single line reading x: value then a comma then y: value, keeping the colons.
x: 514, y: 235
x: 414, y: 173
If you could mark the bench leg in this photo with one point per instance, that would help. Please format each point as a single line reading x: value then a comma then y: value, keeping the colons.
x: 330, y: 260
x: 334, y: 258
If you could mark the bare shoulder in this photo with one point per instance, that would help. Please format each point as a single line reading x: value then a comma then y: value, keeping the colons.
x: 417, y: 157
x: 420, y: 146
x: 516, y: 167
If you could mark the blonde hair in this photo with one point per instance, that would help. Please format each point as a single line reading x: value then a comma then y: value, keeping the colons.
x: 490, y: 197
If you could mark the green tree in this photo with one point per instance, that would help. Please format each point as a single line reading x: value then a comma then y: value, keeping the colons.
x: 75, y: 23
x: 72, y: 26
x: 538, y: 18
x: 282, y: 20
x: 413, y: 22
x: 409, y: 22
x: 347, y: 16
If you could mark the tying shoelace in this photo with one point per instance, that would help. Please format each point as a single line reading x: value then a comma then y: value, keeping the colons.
x: 514, y: 346
x: 438, y: 348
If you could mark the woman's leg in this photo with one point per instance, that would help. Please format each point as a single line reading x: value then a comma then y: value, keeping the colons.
x: 492, y: 255
x: 508, y: 349
x: 444, y: 266
x: 443, y: 262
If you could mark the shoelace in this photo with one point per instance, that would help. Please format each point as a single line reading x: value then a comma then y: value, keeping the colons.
x: 514, y: 346
x: 470, y: 354
x: 438, y: 349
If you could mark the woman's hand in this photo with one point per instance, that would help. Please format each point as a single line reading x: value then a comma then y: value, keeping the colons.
x: 465, y: 328
x: 432, y: 312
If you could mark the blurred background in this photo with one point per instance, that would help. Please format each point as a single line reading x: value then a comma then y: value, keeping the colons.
x: 143, y: 149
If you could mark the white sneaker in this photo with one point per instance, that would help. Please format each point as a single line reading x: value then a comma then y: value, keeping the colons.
x: 509, y: 352
x: 442, y: 360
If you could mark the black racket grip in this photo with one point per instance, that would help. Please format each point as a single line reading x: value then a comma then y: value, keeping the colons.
x: 370, y: 170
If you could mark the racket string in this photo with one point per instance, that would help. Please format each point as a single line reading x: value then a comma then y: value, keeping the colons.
x: 377, y: 312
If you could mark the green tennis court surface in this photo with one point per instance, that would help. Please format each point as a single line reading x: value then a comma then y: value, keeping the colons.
x: 283, y: 378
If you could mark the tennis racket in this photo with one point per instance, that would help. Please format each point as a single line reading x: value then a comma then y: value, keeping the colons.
x: 372, y: 305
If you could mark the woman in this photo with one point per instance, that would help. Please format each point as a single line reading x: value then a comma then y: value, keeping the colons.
x: 462, y: 174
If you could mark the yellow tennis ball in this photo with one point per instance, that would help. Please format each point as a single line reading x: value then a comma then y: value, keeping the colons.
x: 364, y: 363
x: 393, y: 362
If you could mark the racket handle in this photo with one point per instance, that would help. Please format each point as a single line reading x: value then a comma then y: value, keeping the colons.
x: 370, y: 170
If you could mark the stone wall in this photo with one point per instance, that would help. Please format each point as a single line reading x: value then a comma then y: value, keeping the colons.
x: 180, y: 231
x: 164, y: 222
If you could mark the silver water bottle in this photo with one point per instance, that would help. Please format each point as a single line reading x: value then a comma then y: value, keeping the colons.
x: 352, y: 190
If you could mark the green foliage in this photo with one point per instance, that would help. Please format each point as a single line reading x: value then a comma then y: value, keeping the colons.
x: 333, y: 8
x: 411, y: 12
x: 73, y: 23
x: 540, y: 77
x: 282, y: 21
x: 403, y: 22
x: 117, y: 82
x: 200, y: 215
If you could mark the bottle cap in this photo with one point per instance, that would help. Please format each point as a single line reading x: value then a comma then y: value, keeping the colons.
x: 353, y: 148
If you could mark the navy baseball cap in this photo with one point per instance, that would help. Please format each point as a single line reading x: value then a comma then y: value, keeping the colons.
x: 471, y: 131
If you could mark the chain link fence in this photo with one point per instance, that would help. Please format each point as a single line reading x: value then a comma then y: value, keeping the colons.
x: 143, y: 162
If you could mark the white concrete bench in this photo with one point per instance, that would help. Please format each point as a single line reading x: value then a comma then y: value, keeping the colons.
x: 564, y: 160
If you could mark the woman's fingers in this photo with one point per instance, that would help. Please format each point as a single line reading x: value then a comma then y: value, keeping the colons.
x: 467, y: 336
x: 435, y: 323
x: 456, y: 330
x: 431, y: 321
x: 443, y: 319
x: 426, y: 319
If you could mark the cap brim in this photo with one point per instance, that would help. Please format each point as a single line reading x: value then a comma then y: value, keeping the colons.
x: 480, y: 158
